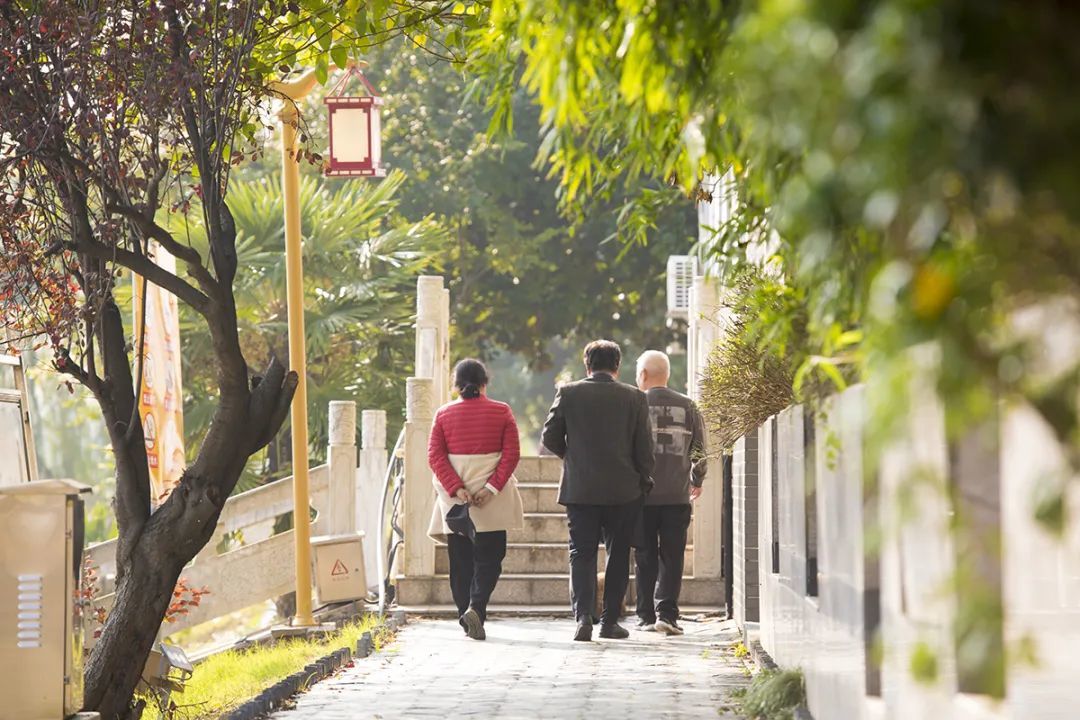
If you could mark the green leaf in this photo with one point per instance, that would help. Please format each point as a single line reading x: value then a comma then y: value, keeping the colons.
x: 340, y: 55
x: 924, y: 664
x: 360, y: 22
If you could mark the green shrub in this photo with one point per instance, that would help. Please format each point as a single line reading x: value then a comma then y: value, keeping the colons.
x: 772, y: 695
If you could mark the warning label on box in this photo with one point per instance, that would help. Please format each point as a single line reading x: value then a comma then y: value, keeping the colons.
x: 339, y: 569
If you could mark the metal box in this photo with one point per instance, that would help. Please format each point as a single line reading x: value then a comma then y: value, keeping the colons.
x: 339, y: 567
x: 41, y: 545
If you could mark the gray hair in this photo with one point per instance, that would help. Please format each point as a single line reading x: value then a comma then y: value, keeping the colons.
x: 656, y: 362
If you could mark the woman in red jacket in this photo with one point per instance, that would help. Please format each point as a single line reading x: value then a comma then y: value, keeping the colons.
x: 473, y: 451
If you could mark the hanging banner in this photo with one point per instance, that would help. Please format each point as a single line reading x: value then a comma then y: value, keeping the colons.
x: 161, y: 403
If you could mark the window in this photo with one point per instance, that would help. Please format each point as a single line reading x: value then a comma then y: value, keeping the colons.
x: 975, y: 487
x: 810, y: 506
x: 872, y: 590
x: 774, y: 480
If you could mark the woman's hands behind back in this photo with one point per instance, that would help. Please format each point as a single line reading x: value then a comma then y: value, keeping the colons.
x: 482, y: 496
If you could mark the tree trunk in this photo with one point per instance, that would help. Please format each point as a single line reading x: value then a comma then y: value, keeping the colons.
x: 142, y: 597
x: 171, y: 538
x: 160, y: 548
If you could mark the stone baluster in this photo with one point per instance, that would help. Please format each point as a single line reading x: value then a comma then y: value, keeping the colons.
x: 704, y: 332
x: 370, y: 476
x: 341, y: 457
x: 432, y: 335
x: 419, y: 551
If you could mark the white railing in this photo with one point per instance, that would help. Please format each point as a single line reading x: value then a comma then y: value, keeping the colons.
x: 259, y: 568
x: 245, y: 562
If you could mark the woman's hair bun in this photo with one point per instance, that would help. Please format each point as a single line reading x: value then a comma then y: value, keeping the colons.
x: 469, y: 376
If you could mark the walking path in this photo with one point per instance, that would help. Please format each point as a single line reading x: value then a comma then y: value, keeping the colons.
x: 531, y: 668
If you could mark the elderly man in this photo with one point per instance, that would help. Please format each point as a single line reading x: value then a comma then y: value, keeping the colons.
x: 679, y: 434
x: 600, y: 428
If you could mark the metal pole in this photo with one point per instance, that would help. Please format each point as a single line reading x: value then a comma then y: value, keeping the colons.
x: 294, y: 282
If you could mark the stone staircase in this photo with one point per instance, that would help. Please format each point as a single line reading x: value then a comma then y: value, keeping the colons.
x: 536, y: 568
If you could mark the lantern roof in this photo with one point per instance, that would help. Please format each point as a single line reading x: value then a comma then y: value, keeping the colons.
x: 338, y: 91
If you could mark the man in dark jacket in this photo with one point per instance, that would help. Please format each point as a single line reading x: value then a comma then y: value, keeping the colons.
x: 600, y: 428
x: 679, y: 472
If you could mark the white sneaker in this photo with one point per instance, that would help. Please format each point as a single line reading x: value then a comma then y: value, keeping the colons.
x: 646, y: 626
x: 668, y: 628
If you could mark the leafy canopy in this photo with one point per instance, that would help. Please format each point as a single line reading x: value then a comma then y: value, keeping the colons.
x: 912, y: 164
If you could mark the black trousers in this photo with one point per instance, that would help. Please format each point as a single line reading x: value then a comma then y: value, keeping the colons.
x: 588, y: 524
x: 659, y: 560
x: 475, y: 569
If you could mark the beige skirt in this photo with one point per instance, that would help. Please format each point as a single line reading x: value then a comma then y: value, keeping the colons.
x: 504, y: 511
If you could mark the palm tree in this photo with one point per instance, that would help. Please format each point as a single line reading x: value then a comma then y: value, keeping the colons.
x: 360, y: 265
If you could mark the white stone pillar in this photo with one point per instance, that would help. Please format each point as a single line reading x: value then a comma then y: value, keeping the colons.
x: 419, y: 550
x: 703, y: 330
x: 444, y: 368
x: 703, y: 333
x: 341, y: 458
x: 370, y: 475
x: 432, y: 335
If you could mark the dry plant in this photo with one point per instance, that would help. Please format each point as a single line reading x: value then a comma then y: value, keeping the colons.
x: 744, y: 383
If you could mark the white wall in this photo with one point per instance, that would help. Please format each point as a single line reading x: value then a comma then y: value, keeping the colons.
x: 1041, y: 572
x: 900, y: 501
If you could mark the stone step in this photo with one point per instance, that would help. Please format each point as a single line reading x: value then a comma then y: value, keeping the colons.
x: 539, y: 469
x: 553, y: 589
x: 541, y: 528
x: 550, y: 527
x: 539, y: 558
x: 540, y: 497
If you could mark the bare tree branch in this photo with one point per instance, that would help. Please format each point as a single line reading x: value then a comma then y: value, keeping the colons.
x: 163, y: 237
x: 147, y: 268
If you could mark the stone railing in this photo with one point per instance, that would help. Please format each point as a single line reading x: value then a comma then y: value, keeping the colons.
x: 247, y: 562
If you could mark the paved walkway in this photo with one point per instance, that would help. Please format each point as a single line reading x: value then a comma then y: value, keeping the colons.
x: 531, y: 668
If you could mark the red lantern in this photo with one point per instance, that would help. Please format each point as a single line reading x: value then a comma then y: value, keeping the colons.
x: 355, y: 127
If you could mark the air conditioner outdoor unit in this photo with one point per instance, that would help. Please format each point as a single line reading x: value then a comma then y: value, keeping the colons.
x: 681, y: 270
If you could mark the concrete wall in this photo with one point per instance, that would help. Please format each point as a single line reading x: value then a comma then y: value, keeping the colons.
x: 886, y: 568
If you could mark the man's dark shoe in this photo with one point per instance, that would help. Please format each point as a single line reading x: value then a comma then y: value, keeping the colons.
x: 614, y: 631
x: 584, y: 631
x: 473, y: 625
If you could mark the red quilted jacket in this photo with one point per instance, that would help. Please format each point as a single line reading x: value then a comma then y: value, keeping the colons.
x: 477, y: 426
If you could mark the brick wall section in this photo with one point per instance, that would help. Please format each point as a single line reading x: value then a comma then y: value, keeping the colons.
x: 744, y: 487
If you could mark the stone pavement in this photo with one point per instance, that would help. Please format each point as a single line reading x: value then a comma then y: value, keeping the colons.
x: 531, y: 668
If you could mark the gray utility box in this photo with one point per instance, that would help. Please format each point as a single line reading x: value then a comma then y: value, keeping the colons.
x: 41, y: 546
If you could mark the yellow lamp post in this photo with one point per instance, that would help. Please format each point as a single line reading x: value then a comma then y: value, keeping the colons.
x: 357, y: 153
x: 293, y: 92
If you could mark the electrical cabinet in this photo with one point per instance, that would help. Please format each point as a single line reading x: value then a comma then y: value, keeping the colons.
x: 41, y: 548
x: 339, y: 567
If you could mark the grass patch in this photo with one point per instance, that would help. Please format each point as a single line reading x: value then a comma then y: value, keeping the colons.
x: 228, y: 679
x: 772, y: 695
